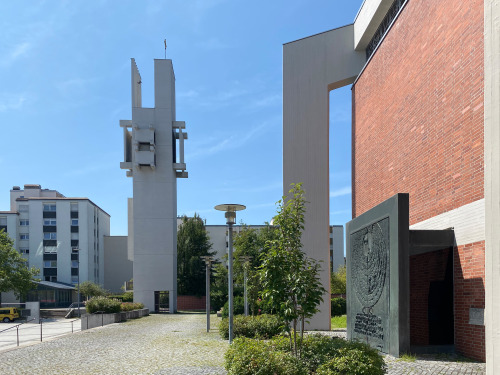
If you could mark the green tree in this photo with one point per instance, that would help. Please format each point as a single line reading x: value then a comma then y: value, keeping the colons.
x: 290, y: 279
x: 14, y: 275
x: 192, y: 243
x: 338, y: 281
x: 90, y: 289
x: 251, y: 242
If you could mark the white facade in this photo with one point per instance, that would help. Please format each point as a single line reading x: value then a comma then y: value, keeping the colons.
x: 337, y: 258
x: 152, y: 159
x: 47, y: 226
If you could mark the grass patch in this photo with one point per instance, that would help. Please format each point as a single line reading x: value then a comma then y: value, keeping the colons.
x: 407, y: 357
x: 339, y: 321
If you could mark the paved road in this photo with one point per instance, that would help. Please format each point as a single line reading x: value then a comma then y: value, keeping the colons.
x: 165, y: 344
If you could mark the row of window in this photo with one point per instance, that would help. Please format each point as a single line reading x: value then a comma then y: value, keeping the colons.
x: 46, y: 222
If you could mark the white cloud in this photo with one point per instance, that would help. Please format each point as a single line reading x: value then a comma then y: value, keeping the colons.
x: 340, y: 192
x: 9, y: 102
x: 191, y: 94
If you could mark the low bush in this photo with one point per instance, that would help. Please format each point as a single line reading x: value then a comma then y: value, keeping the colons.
x: 128, y: 297
x: 319, y: 355
x: 103, y: 304
x: 260, y: 326
x: 338, y: 306
x: 129, y: 306
x: 354, y: 359
x: 238, y: 307
x: 248, y: 356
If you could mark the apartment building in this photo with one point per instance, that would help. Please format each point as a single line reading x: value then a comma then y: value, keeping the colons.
x: 61, y: 236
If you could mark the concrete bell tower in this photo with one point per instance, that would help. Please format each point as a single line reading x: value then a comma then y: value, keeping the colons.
x: 154, y: 158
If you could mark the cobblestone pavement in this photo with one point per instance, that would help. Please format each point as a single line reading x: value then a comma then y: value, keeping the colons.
x: 170, y: 344
x: 157, y: 344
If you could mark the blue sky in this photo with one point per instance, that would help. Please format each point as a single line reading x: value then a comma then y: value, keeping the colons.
x: 65, y: 73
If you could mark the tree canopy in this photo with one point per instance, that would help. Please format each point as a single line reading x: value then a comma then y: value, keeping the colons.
x: 90, y: 289
x: 339, y: 281
x: 14, y: 274
x: 291, y: 280
x: 192, y: 243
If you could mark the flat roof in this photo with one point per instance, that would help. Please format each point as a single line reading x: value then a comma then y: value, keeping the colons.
x: 60, y: 198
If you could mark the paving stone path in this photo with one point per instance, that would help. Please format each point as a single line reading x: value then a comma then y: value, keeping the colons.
x: 168, y: 344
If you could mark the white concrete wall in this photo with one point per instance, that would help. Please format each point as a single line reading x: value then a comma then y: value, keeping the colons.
x: 369, y: 17
x: 492, y: 181
x: 155, y: 194
x: 337, y: 247
x: 311, y: 67
x: 118, y: 268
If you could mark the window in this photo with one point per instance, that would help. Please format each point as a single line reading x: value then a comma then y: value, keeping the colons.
x: 24, y: 251
x: 51, y: 278
x: 51, y: 207
x: 24, y: 236
x: 50, y: 249
x: 47, y: 222
x: 74, y: 279
x: 50, y: 236
x: 50, y: 264
x: 74, y: 264
x: 74, y: 207
x: 24, y: 222
x: 3, y: 221
x: 74, y: 222
x: 23, y: 208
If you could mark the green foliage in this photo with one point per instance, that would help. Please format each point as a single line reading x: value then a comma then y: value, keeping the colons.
x: 339, y: 321
x: 260, y: 326
x: 355, y: 359
x: 192, y: 243
x: 14, y: 275
x: 338, y: 306
x: 407, y: 357
x: 129, y: 306
x: 291, y: 280
x: 320, y: 355
x: 128, y: 297
x: 238, y: 307
x: 90, y: 289
x: 338, y: 281
x: 103, y: 304
x: 218, y: 287
x: 247, y: 357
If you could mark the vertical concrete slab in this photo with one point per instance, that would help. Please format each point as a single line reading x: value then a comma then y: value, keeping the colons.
x: 492, y: 182
x: 311, y: 68
x: 378, y: 284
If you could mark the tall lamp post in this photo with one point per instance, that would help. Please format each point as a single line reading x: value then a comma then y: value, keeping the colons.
x: 245, y: 259
x: 208, y: 263
x: 230, y: 215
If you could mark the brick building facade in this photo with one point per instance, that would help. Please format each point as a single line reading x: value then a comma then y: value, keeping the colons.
x: 418, y: 128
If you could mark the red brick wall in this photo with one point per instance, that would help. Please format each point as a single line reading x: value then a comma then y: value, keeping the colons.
x: 418, y: 129
x: 418, y: 111
x: 189, y: 303
x: 424, y: 268
x: 469, y: 292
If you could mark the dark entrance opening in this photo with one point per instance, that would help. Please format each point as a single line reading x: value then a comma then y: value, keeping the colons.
x: 161, y: 302
x: 440, y: 307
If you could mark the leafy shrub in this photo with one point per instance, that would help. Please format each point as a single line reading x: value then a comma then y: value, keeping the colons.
x: 260, y: 326
x: 128, y: 297
x: 103, y: 304
x: 129, y: 306
x: 338, y: 306
x: 247, y: 356
x: 238, y: 306
x: 354, y: 359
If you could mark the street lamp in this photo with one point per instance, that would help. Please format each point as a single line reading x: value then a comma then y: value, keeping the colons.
x: 208, y: 262
x: 245, y: 259
x: 230, y: 215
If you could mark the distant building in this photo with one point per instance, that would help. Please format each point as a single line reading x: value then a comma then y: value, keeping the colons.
x: 58, y: 235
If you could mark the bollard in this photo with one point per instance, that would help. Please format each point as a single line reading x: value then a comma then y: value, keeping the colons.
x: 17, y: 335
x: 40, y: 330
